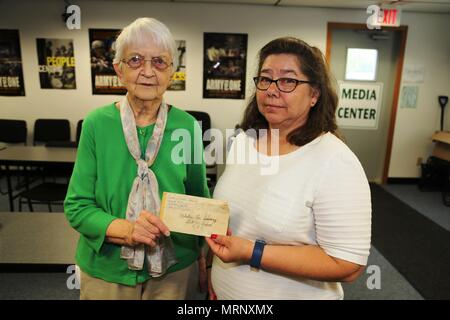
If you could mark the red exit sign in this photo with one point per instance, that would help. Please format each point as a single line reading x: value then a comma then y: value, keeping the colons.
x: 389, y: 17
x: 383, y: 17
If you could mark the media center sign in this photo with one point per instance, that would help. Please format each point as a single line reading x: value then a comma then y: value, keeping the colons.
x: 359, y: 105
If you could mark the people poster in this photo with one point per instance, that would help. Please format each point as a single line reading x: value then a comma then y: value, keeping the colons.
x: 11, y: 73
x: 102, y: 47
x: 179, y: 76
x: 224, y: 65
x: 56, y: 63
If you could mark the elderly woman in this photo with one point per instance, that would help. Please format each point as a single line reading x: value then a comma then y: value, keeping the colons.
x: 124, y: 164
x: 299, y: 230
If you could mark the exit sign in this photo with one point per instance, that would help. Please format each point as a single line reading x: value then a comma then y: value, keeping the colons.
x: 389, y: 17
x: 383, y: 17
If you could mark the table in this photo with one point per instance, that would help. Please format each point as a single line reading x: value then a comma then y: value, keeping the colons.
x: 36, y: 238
x: 33, y: 156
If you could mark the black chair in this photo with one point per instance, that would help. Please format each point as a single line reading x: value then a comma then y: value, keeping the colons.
x: 53, y: 133
x: 205, y: 123
x: 48, y: 130
x: 12, y: 132
x: 79, y: 127
x: 45, y: 193
x: 67, y: 144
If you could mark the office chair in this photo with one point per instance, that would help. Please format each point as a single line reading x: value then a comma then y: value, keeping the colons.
x: 67, y: 144
x: 205, y: 122
x: 44, y: 193
x: 12, y: 132
x: 48, y: 130
x: 53, y: 133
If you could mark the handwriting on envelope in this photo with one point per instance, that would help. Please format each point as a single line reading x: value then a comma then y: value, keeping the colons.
x: 194, y: 215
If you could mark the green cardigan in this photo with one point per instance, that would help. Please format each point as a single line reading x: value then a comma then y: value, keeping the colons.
x: 103, y: 175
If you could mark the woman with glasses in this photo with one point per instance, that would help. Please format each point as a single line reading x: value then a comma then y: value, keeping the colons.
x: 124, y: 164
x: 300, y: 229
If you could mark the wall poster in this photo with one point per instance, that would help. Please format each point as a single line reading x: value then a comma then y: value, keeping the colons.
x: 104, y: 78
x: 11, y: 73
x: 56, y: 63
x: 179, y: 77
x: 224, y: 65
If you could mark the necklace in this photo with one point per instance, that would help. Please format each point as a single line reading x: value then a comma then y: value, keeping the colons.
x: 141, y: 131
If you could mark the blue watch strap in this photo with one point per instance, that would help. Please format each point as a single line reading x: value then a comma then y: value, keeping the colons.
x: 255, y: 261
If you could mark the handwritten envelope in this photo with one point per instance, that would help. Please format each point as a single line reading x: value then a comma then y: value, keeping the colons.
x: 194, y: 215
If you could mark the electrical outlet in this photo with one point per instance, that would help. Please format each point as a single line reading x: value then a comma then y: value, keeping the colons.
x: 419, y: 161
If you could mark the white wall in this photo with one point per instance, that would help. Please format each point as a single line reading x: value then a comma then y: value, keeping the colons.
x: 427, y: 45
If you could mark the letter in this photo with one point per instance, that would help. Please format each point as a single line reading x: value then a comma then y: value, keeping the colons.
x: 363, y: 94
x: 374, y: 281
x: 72, y: 282
x: 372, y: 20
x: 340, y: 113
x: 235, y: 309
x: 214, y: 151
x: 198, y: 144
x: 74, y: 21
x: 372, y: 113
x: 180, y: 310
x: 346, y: 94
x: 269, y: 309
x: 226, y: 309
x: 271, y: 166
x: 261, y: 309
x: 373, y: 95
x: 355, y: 94
x: 181, y: 153
x: 207, y: 310
x: 346, y: 113
x: 353, y: 113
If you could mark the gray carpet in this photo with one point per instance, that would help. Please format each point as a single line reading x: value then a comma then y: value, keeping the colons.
x: 427, y: 203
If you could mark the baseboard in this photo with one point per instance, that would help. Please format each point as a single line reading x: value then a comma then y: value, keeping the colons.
x: 403, y: 180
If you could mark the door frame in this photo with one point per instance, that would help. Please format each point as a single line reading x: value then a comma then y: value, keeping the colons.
x: 402, y: 31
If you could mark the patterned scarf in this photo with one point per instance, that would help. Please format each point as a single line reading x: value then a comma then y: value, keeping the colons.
x: 144, y: 194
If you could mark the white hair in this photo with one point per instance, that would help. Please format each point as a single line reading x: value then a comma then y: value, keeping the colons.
x: 139, y: 32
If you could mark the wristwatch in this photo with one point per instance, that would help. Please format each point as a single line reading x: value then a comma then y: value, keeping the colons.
x: 255, y: 261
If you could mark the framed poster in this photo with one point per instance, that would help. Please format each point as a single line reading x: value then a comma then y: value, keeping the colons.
x: 56, y: 63
x: 179, y: 77
x: 11, y: 73
x: 224, y: 65
x: 104, y: 78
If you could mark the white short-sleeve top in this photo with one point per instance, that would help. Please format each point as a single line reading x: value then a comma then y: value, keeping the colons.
x: 317, y: 194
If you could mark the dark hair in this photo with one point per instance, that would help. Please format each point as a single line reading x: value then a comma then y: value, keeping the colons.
x: 312, y: 63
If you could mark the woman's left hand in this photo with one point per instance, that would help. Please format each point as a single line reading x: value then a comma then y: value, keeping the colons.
x: 231, y: 248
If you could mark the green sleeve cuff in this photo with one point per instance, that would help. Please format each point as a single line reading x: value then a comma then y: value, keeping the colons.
x: 94, y: 229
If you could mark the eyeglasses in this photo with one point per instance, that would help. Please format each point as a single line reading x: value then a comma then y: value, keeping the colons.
x: 138, y: 61
x: 283, y: 84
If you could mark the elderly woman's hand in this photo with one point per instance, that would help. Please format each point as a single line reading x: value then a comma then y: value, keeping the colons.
x: 148, y: 228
